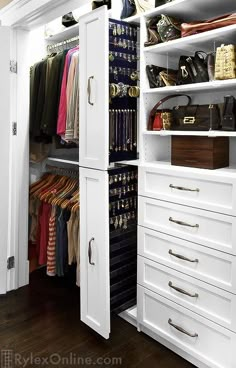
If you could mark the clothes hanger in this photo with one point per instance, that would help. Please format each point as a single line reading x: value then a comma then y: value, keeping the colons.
x: 52, y: 188
x: 67, y: 192
x: 53, y: 191
x: 53, y: 200
x: 38, y: 184
x: 48, y: 182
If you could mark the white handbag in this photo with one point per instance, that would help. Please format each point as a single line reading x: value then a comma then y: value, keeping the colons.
x: 144, y: 5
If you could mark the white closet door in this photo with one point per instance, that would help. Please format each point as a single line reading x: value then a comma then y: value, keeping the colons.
x: 94, y: 250
x: 94, y: 89
x: 5, y: 149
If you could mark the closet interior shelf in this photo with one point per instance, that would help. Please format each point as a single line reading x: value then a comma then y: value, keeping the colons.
x: 71, y: 162
x: 65, y: 34
x: 184, y: 8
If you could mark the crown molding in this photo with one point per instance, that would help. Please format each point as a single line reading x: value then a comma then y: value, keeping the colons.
x: 29, y: 14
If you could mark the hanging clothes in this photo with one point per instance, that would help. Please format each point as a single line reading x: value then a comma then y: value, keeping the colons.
x: 54, y: 97
x: 64, y: 101
x: 72, y: 120
x: 54, y: 214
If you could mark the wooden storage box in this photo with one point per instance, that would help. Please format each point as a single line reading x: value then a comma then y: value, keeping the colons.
x: 200, y: 152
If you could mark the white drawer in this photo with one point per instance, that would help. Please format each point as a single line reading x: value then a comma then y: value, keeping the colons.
x: 209, y: 265
x: 211, y: 302
x: 211, y: 229
x: 214, y: 345
x: 202, y: 190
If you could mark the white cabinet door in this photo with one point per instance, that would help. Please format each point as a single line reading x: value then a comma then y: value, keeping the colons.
x: 5, y: 153
x: 94, y: 89
x: 94, y: 250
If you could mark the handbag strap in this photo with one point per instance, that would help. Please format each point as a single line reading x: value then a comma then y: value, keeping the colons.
x: 159, y: 103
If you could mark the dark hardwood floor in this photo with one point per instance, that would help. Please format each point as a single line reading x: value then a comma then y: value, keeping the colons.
x: 44, y: 319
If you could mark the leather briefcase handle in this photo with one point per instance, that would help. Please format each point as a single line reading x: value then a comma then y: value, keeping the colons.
x: 159, y: 103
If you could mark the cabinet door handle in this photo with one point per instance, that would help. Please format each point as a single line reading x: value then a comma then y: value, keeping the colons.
x: 183, y: 257
x: 90, y: 252
x: 183, y: 188
x: 182, y: 223
x: 182, y: 291
x: 181, y: 329
x: 89, y: 90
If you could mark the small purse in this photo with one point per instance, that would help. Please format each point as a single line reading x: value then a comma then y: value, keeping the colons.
x: 168, y: 28
x: 159, y: 77
x: 68, y: 20
x: 225, y: 64
x: 192, y: 69
x: 162, y: 119
x: 153, y: 36
x: 229, y: 114
x: 196, y: 117
x: 144, y: 5
x: 98, y: 4
x: 162, y: 2
x: 128, y: 9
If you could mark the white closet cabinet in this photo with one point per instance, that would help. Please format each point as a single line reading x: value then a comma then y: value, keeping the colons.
x: 94, y: 97
x: 94, y: 257
x: 103, y: 287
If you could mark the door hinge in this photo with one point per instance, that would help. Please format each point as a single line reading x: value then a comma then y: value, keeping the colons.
x: 13, y: 66
x: 14, y: 128
x: 10, y: 263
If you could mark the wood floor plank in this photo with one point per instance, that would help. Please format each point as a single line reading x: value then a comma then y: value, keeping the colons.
x: 44, y: 319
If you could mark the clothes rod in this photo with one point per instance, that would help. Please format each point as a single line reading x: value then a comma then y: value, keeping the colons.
x: 63, y: 44
x: 62, y: 170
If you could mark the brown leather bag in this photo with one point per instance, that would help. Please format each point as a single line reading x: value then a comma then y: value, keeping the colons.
x: 162, y: 119
x: 188, y: 29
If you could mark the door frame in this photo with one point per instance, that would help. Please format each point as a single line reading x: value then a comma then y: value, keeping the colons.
x: 24, y: 16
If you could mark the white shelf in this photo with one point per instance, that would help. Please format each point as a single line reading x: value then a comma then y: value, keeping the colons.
x: 210, y: 133
x: 188, y: 10
x: 205, y: 41
x: 225, y: 171
x: 54, y: 159
x: 195, y: 87
x: 65, y: 34
x: 129, y: 162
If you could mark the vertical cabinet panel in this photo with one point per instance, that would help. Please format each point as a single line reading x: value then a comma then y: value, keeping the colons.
x: 94, y: 245
x: 5, y: 162
x: 94, y: 90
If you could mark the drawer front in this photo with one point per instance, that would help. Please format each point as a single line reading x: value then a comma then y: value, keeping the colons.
x: 211, y: 229
x: 209, y: 342
x: 214, y: 193
x: 209, y: 301
x: 209, y: 265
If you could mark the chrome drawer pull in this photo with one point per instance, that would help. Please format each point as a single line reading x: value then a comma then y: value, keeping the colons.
x: 182, y: 291
x: 89, y: 91
x: 90, y: 252
x: 184, y: 189
x: 180, y: 329
x: 182, y: 223
x: 183, y: 257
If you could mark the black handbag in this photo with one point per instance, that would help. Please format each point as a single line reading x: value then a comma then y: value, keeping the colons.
x: 162, y: 2
x: 128, y: 8
x: 196, y: 117
x: 193, y: 69
x: 229, y: 112
x: 168, y: 28
x: 160, y: 77
x: 98, y: 4
x: 68, y: 20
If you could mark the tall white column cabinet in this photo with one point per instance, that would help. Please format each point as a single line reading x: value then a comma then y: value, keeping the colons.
x: 183, y: 254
